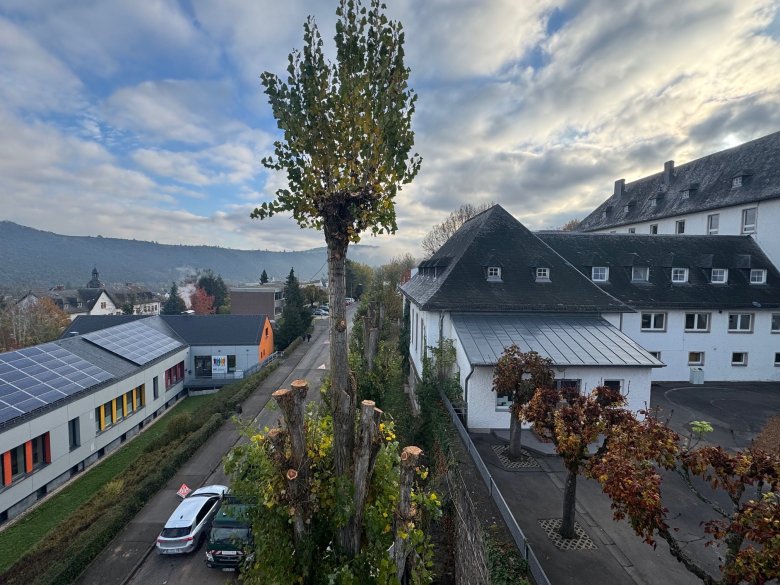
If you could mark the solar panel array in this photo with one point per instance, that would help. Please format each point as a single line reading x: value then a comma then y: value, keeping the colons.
x: 36, y: 376
x: 133, y: 341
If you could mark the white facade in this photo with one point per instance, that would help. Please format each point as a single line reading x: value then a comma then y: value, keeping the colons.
x: 729, y: 223
x: 69, y: 451
x: 709, y: 335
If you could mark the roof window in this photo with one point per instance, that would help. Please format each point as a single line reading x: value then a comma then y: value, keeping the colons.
x: 719, y: 276
x: 494, y: 274
x: 757, y: 276
x: 640, y: 274
x: 542, y: 275
x: 599, y: 273
x: 679, y: 275
x: 736, y: 182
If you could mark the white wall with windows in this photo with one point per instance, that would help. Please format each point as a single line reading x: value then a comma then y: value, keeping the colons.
x: 79, y: 432
x: 730, y: 345
x: 759, y: 219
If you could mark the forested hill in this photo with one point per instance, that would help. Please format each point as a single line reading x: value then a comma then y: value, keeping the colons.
x: 31, y: 258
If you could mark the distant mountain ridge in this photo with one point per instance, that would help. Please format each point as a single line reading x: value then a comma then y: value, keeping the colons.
x: 31, y: 258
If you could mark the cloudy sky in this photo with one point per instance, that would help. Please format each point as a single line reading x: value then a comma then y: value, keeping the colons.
x: 147, y: 120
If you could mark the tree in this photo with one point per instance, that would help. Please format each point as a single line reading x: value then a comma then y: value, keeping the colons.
x: 263, y: 277
x: 314, y: 294
x: 174, y: 304
x: 296, y: 318
x: 742, y: 489
x: 573, y: 421
x: 214, y: 286
x: 38, y: 322
x: 358, y: 278
x: 345, y: 149
x: 570, y: 226
x: 202, y: 302
x: 442, y: 232
x: 128, y: 307
x: 517, y: 375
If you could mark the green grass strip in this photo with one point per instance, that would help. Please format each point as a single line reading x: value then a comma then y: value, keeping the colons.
x: 30, y: 530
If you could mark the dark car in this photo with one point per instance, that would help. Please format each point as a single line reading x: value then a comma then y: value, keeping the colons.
x: 230, y: 539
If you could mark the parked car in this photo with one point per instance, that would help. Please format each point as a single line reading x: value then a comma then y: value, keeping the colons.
x: 350, y: 300
x: 230, y: 538
x: 189, y: 524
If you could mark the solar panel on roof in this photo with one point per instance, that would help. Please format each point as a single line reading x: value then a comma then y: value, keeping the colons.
x: 36, y: 376
x: 133, y: 341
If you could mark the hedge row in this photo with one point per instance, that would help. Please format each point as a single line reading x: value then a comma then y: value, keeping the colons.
x: 64, y: 554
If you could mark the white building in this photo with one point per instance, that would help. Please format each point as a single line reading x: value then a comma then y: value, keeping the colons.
x: 732, y: 192
x: 494, y: 283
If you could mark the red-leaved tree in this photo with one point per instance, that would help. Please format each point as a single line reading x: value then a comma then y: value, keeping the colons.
x: 202, y: 302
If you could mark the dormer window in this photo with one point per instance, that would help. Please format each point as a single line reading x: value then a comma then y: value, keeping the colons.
x: 543, y: 274
x: 736, y: 182
x: 685, y: 194
x: 599, y: 273
x: 653, y: 202
x: 679, y: 275
x: 640, y: 274
x: 757, y: 276
x: 719, y: 276
x: 494, y: 273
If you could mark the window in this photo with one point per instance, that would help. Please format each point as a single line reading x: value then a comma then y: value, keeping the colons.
x: 74, y: 433
x: 713, y: 223
x: 749, y: 221
x: 502, y: 401
x: 719, y: 276
x: 685, y: 194
x: 739, y: 358
x: 103, y: 305
x: 640, y: 273
x: 107, y: 421
x: 494, y: 273
x: 679, y: 226
x: 626, y: 208
x: 155, y: 388
x: 631, y: 230
x: 118, y: 405
x: 679, y: 275
x: 741, y: 322
x: 775, y: 322
x: 614, y: 384
x: 140, y: 396
x: 567, y: 383
x: 653, y: 202
x: 736, y: 182
x: 697, y: 321
x: 542, y: 274
x: 695, y: 358
x: 655, y: 354
x: 599, y: 273
x: 38, y: 452
x: 653, y: 228
x: 757, y: 276
x: 231, y: 363
x: 777, y: 358
x: 653, y: 321
x: 17, y: 461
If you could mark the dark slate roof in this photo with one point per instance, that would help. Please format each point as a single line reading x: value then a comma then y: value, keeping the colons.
x: 758, y: 161
x: 661, y: 253
x: 217, y: 329
x: 90, y: 323
x: 568, y: 340
x: 455, y: 278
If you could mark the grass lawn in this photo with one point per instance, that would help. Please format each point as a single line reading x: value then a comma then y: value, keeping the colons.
x: 26, y: 533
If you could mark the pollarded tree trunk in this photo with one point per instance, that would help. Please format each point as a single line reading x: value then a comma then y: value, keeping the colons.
x: 405, y: 512
x: 569, y: 503
x: 515, y: 434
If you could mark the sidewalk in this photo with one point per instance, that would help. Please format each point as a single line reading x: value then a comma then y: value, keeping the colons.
x: 130, y: 547
x: 612, y: 555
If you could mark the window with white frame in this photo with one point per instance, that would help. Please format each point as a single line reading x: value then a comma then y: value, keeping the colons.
x: 757, y: 276
x: 775, y: 322
x: 685, y: 194
x: 653, y: 202
x: 653, y: 228
x: 542, y: 274
x: 749, y: 220
x: 719, y: 276
x: 679, y: 275
x: 679, y: 226
x: 713, y: 224
x: 494, y: 273
x: 695, y: 358
x: 599, y: 273
x: 739, y: 358
x: 653, y: 321
x: 631, y: 230
x: 777, y: 358
x: 502, y: 401
x: 640, y: 273
x: 741, y: 322
x: 697, y: 321
x: 736, y: 182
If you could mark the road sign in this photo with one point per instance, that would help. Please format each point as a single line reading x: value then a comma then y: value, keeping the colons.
x: 183, y: 491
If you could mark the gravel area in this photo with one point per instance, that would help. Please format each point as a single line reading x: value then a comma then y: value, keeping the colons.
x: 769, y: 438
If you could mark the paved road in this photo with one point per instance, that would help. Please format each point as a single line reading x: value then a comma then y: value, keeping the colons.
x: 130, y: 558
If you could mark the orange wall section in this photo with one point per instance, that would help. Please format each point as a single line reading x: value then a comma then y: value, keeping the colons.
x: 266, y: 341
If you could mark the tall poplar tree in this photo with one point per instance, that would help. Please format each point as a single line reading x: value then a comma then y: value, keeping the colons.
x: 345, y: 149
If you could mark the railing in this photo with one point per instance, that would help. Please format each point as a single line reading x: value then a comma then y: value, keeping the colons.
x: 204, y: 381
x: 517, y: 534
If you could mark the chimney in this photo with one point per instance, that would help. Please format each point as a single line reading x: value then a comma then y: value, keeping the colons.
x: 668, y: 172
x: 620, y: 188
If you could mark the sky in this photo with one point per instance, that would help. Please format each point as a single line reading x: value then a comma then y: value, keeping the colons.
x: 147, y: 120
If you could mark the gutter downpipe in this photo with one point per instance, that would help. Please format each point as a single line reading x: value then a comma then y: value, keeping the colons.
x: 466, y: 398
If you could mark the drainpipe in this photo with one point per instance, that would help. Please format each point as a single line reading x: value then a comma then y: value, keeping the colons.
x: 441, y: 327
x: 466, y: 398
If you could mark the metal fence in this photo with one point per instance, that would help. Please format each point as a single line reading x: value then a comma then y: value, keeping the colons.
x: 517, y: 534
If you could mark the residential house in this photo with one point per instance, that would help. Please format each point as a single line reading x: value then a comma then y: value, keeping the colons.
x: 732, y: 192
x: 495, y: 283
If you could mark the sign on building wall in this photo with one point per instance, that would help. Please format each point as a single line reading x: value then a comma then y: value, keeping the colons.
x: 219, y: 364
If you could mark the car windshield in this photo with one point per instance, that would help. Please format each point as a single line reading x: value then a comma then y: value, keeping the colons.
x: 175, y: 532
x: 239, y: 534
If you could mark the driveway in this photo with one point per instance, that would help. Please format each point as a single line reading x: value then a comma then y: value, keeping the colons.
x: 736, y: 410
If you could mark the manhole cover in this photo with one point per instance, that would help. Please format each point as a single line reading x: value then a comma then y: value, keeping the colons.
x: 524, y: 462
x: 581, y: 540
